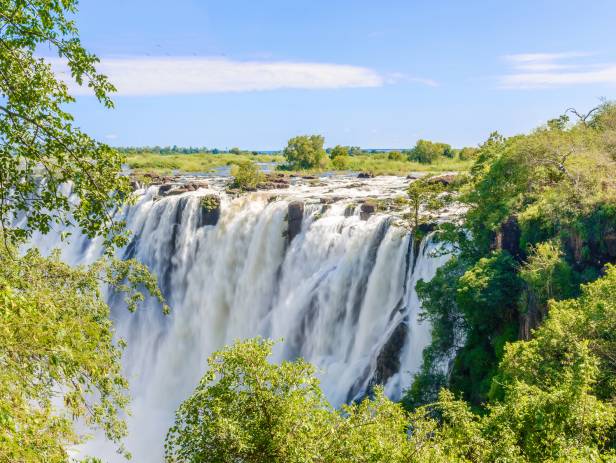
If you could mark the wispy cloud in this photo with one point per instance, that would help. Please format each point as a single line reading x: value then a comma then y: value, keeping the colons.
x: 540, y: 70
x: 192, y: 75
x: 397, y: 77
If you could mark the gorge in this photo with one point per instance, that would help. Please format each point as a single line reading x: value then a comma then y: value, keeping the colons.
x: 338, y: 290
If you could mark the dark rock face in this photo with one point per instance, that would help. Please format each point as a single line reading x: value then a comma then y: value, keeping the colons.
x: 163, y: 189
x: 413, y: 176
x: 388, y: 360
x: 295, y: 215
x: 366, y: 210
x: 365, y: 175
x: 210, y: 210
x: 172, y: 189
x: 610, y: 243
x: 508, y: 237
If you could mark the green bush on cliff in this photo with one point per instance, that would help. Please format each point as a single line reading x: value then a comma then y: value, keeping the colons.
x: 547, y: 203
x: 246, y: 175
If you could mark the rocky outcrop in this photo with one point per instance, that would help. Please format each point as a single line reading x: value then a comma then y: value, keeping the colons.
x: 508, y: 236
x: 366, y: 210
x: 295, y: 215
x: 274, y: 181
x: 388, y: 360
x: 210, y: 210
x: 610, y: 244
x: 171, y: 189
x: 365, y: 175
x: 444, y: 179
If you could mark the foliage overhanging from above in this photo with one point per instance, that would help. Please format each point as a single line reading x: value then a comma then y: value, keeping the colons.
x: 59, y: 364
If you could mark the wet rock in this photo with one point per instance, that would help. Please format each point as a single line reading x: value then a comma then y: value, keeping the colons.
x: 365, y: 175
x: 166, y: 188
x: 177, y: 191
x: 210, y: 210
x: 194, y: 186
x: 366, y: 210
x: 295, y: 215
x: 388, y: 360
x: 274, y: 181
x: 575, y: 243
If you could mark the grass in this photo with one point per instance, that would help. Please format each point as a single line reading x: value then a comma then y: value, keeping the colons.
x: 187, y: 163
x: 379, y: 164
x: 376, y: 164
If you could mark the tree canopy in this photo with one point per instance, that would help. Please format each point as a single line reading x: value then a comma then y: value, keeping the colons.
x: 59, y: 363
x: 305, y: 151
x: 40, y: 146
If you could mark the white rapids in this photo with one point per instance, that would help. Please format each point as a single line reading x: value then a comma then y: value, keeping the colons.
x: 340, y: 294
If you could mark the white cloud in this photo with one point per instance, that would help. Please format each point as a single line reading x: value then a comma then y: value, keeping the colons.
x: 111, y: 136
x: 540, y: 70
x: 190, y: 75
x: 397, y: 77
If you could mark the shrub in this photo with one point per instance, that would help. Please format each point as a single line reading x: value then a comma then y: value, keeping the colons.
x: 246, y: 175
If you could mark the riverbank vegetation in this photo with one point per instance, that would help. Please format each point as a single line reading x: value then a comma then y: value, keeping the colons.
x: 381, y: 163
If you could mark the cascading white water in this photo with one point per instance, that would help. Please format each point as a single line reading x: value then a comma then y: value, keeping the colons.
x: 340, y: 294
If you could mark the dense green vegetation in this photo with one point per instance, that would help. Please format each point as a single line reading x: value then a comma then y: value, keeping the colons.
x: 542, y: 221
x: 58, y: 362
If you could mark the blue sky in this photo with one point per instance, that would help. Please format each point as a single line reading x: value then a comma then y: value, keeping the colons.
x: 370, y: 73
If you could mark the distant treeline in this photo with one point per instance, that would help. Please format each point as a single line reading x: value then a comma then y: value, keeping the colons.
x: 424, y: 151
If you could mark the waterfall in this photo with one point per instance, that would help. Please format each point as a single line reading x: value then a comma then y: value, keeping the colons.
x: 340, y: 294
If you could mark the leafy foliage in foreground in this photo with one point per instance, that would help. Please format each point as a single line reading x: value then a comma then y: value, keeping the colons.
x: 58, y: 361
x: 557, y: 404
x: 59, y: 366
x: 40, y: 147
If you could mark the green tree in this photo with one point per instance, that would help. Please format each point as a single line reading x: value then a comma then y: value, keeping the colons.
x: 467, y: 153
x: 305, y: 151
x: 56, y: 346
x: 56, y: 343
x: 339, y: 150
x: 427, y: 152
x: 424, y: 198
x: 40, y: 147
